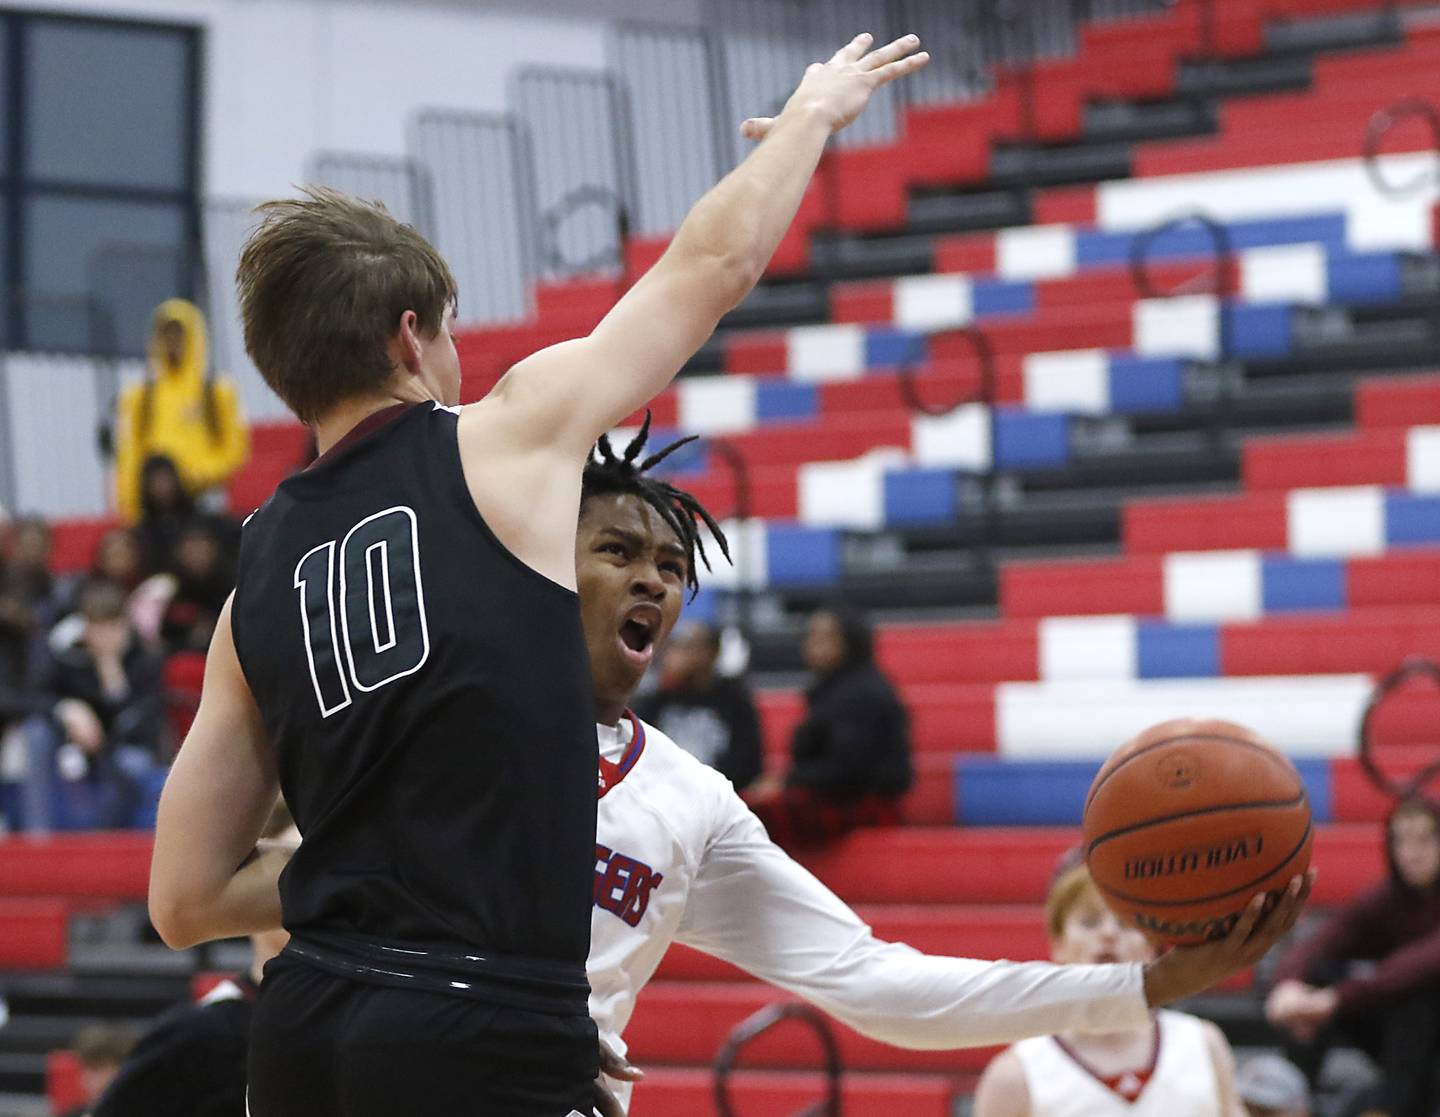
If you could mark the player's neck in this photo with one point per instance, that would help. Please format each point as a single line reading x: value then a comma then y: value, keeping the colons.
x: 609, y: 714
x: 345, y: 417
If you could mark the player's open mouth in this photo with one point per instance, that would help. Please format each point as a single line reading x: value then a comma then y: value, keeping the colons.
x: 1105, y: 957
x: 637, y: 633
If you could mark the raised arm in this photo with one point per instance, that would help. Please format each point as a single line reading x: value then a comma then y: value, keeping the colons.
x: 206, y: 879
x: 568, y: 395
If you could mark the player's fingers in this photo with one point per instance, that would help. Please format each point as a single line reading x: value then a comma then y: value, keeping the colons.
x: 606, y: 1103
x: 886, y: 74
x: 617, y: 1066
x: 890, y: 52
x: 757, y: 127
x: 1249, y: 919
x: 855, y: 49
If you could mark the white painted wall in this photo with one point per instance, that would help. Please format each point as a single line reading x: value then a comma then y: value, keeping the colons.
x: 287, y: 78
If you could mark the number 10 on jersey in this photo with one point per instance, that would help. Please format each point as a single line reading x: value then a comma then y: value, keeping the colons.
x: 376, y: 612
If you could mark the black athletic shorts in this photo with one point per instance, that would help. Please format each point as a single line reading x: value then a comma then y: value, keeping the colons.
x: 329, y: 1046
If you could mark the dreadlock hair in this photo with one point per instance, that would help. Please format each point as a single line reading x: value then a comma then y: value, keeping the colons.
x: 606, y: 472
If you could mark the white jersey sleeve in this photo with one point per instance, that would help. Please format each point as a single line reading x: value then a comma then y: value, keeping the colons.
x: 753, y: 906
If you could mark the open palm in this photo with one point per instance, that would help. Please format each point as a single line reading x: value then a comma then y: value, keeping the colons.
x: 840, y: 89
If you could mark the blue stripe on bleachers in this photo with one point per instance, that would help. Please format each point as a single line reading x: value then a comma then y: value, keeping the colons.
x: 1259, y: 329
x: 920, y: 496
x: 802, y: 556
x: 994, y: 791
x: 694, y: 458
x: 776, y: 400
x: 1289, y: 585
x: 996, y: 297
x: 886, y: 348
x: 1364, y: 278
x: 1140, y: 384
x: 1175, y: 651
x: 704, y: 606
x: 1030, y: 441
x: 1192, y: 241
x: 1411, y: 519
x: 1317, y: 774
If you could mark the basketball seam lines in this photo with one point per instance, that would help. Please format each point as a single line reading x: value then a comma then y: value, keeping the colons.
x: 1183, y: 737
x: 1258, y: 804
x: 1217, y: 895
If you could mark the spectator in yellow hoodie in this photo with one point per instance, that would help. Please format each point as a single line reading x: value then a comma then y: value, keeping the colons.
x: 179, y: 411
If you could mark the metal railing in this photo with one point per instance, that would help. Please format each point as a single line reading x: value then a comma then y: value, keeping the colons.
x: 482, y: 179
x: 579, y: 126
x: 1222, y: 284
x: 1408, y: 671
x: 1381, y: 124
x: 750, y: 1029
x: 987, y: 395
x: 400, y: 182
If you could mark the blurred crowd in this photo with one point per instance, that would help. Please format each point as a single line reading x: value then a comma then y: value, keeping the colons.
x: 83, y: 699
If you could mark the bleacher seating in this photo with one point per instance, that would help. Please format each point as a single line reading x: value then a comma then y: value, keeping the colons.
x: 1222, y: 502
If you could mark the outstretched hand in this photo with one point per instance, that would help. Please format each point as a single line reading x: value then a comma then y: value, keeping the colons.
x: 1188, y: 970
x: 840, y: 89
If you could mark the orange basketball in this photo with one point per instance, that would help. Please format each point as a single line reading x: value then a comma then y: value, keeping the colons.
x: 1187, y: 822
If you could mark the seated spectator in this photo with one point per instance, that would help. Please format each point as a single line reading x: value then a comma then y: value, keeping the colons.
x: 1370, y: 978
x: 711, y: 715
x: 192, y: 1062
x: 166, y: 510
x: 101, y: 1049
x: 27, y: 599
x: 1272, y: 1086
x: 106, y: 717
x: 850, y: 757
x: 203, y: 577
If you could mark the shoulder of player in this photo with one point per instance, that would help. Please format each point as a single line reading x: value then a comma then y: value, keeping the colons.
x: 1003, y: 1090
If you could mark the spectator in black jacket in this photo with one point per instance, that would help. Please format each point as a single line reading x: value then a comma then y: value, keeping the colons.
x: 27, y: 601
x: 708, y: 714
x: 107, y: 716
x: 191, y: 1063
x: 850, y: 757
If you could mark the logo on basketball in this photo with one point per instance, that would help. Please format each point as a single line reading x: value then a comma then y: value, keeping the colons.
x: 1178, y: 770
x: 1198, y: 930
x: 1215, y: 856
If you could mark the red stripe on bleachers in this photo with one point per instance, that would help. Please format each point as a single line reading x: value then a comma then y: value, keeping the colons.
x: 944, y: 718
x: 1402, y: 578
x: 33, y: 934
x: 1317, y: 461
x: 1397, y: 402
x: 1057, y: 589
x: 81, y: 866
x: 75, y: 542
x: 907, y: 865
x: 1252, y: 521
x: 673, y: 1092
x: 970, y: 253
x: 1338, y: 644
x: 1355, y: 798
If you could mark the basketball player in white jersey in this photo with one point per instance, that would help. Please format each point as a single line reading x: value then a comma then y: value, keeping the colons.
x: 680, y: 858
x: 1167, y: 1065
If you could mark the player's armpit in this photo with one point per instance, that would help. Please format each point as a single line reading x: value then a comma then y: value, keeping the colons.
x: 1002, y: 1091
x: 204, y: 884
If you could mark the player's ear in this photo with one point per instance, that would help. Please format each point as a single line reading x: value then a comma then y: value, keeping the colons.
x: 405, y: 344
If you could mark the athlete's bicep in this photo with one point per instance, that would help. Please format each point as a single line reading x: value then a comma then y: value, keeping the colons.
x: 220, y: 790
x: 1224, y: 1061
x: 1002, y: 1091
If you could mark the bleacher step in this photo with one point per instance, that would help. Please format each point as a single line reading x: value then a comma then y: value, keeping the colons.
x: 1243, y: 77
x: 1346, y: 32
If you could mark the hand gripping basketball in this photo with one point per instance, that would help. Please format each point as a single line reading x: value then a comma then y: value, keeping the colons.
x: 1187, y: 970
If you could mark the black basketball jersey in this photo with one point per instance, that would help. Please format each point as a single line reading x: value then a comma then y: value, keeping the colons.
x: 429, y: 698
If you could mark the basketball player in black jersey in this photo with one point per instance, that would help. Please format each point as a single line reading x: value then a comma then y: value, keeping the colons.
x: 432, y: 730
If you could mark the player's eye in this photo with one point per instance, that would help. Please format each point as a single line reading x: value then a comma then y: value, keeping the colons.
x: 613, y: 548
x: 673, y: 568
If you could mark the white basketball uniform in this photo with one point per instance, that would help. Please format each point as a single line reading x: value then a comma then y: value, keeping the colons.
x: 1179, y: 1081
x: 679, y: 857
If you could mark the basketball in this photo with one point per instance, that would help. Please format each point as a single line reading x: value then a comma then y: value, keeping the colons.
x: 1190, y: 820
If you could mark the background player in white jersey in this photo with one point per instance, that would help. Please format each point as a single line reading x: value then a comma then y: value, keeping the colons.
x: 680, y: 858
x: 1171, y: 1065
